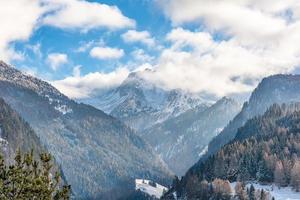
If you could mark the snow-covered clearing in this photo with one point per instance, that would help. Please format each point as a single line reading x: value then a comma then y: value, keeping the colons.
x: 148, y: 188
x: 283, y: 193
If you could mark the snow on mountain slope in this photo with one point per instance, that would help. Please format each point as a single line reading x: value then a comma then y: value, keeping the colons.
x: 150, y: 188
x: 141, y: 104
x: 282, y: 193
x: 172, y: 121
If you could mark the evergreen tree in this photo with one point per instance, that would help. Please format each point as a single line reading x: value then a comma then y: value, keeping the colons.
x: 264, y: 174
x: 252, y: 193
x: 29, y: 179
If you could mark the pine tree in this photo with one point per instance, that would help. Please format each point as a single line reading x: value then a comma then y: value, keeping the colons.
x: 264, y: 174
x: 252, y: 193
x: 29, y: 179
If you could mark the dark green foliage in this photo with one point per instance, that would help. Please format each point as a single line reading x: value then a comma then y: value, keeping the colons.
x: 266, y: 149
x: 29, y: 179
x: 16, y: 133
x: 251, y: 193
x: 263, y: 141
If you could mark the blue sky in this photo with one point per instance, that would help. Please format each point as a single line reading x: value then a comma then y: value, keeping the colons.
x: 215, y: 47
x: 148, y: 17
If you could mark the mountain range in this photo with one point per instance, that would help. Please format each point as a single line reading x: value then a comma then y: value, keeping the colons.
x: 141, y: 104
x: 148, y: 132
x: 98, y: 154
x: 178, y: 124
x: 182, y: 140
x: 259, y: 145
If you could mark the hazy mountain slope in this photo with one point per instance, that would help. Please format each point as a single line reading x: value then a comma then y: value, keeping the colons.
x: 96, y: 151
x: 266, y: 150
x: 16, y: 134
x: 141, y: 104
x: 183, y: 139
x: 273, y: 89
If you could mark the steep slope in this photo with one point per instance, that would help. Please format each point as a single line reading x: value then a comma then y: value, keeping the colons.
x: 182, y: 140
x: 141, y: 104
x: 266, y: 150
x: 16, y: 134
x: 98, y: 154
x: 274, y: 89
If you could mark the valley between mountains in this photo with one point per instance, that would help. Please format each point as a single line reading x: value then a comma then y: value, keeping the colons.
x: 134, y: 141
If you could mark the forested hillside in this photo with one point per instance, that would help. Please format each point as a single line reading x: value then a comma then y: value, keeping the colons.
x: 182, y: 140
x: 98, y: 154
x: 15, y: 134
x: 266, y: 149
x: 273, y: 89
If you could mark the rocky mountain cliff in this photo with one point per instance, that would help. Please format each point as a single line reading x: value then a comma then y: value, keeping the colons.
x: 97, y: 152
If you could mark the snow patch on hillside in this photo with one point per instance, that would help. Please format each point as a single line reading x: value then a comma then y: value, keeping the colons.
x: 283, y: 193
x: 204, y: 151
x: 63, y: 109
x: 150, y: 188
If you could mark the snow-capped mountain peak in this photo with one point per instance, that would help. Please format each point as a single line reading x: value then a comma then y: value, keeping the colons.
x: 141, y: 103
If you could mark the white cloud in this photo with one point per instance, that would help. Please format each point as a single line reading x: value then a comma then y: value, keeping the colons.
x: 259, y: 40
x: 197, y: 40
x: 86, y: 46
x: 85, y: 15
x: 140, y: 55
x: 104, y: 53
x: 83, y: 86
x: 220, y: 67
x: 55, y: 60
x: 144, y: 37
x: 250, y: 20
x: 36, y: 49
x: 77, y: 71
x: 18, y: 19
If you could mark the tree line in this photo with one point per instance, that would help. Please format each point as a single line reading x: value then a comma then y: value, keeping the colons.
x: 266, y: 150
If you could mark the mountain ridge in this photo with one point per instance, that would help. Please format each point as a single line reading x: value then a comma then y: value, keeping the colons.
x: 182, y: 140
x: 141, y: 104
x: 273, y: 89
x: 264, y: 151
x: 82, y: 136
